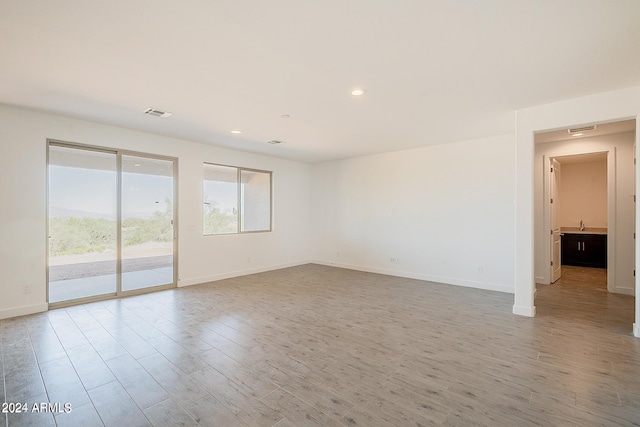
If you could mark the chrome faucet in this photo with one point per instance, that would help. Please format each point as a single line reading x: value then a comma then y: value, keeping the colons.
x: 581, y: 225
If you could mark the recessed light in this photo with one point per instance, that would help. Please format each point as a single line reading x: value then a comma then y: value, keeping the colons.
x: 236, y: 131
x: 577, y: 134
x: 357, y: 92
x: 137, y: 165
x: 285, y: 116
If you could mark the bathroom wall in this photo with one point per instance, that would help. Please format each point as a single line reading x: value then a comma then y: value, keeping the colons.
x: 583, y: 193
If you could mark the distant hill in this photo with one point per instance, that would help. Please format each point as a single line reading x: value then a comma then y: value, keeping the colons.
x: 56, y: 212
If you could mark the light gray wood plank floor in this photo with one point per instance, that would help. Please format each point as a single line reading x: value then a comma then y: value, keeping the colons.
x: 316, y: 345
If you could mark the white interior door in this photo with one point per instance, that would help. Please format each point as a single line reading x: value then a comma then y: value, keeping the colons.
x: 556, y: 248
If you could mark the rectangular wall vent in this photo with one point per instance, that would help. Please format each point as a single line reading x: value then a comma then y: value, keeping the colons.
x: 157, y: 113
x: 582, y: 129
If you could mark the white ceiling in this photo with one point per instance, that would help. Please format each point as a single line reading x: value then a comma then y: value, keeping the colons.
x: 435, y: 71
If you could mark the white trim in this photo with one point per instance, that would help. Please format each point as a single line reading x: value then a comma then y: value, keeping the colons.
x: 636, y: 187
x: 547, y: 163
x: 624, y: 291
x: 200, y: 280
x: 23, y: 311
x: 524, y: 311
x: 612, y: 237
x: 420, y: 276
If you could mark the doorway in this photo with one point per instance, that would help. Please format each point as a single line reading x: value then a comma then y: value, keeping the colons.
x: 578, y: 201
x: 605, y: 107
x: 600, y: 197
x: 111, y: 223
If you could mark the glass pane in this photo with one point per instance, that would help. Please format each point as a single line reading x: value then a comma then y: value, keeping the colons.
x: 147, y: 222
x: 220, y: 199
x: 256, y: 200
x: 82, y: 223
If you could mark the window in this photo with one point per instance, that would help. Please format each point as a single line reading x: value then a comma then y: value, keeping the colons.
x: 235, y: 200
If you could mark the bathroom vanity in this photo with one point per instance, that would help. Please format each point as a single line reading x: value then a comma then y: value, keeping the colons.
x: 585, y: 248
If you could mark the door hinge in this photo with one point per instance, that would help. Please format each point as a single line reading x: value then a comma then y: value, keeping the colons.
x: 551, y: 262
x: 634, y: 273
x: 551, y: 200
x: 551, y: 169
x: 551, y: 232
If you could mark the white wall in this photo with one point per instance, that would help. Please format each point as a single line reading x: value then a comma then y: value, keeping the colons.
x: 604, y: 107
x: 583, y: 194
x: 443, y: 213
x: 621, y: 226
x: 23, y: 136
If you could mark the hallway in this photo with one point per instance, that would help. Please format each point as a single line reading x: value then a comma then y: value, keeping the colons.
x: 580, y: 296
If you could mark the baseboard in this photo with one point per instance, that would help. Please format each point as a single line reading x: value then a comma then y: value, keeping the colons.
x: 636, y: 330
x: 420, y: 276
x: 23, y: 311
x: 624, y: 291
x: 238, y: 273
x: 524, y: 311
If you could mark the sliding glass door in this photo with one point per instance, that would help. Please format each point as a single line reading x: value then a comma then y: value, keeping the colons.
x: 82, y: 223
x: 111, y: 223
x: 147, y: 222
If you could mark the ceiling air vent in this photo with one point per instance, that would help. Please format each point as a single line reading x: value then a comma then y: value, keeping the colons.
x: 274, y: 142
x: 582, y: 129
x: 157, y: 113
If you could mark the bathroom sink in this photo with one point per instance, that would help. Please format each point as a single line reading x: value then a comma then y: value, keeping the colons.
x: 587, y: 230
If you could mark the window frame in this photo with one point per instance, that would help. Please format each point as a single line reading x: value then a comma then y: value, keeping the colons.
x: 239, y: 202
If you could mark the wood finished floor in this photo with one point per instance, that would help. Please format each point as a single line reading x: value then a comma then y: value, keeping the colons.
x: 315, y: 345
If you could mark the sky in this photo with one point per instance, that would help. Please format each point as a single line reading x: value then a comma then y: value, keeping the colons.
x: 93, y: 192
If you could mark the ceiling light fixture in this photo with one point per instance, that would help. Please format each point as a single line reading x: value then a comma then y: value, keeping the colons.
x: 357, y: 92
x: 236, y: 132
x: 577, y: 134
x: 285, y: 116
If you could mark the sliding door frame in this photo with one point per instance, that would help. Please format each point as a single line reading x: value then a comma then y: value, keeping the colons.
x: 118, y: 153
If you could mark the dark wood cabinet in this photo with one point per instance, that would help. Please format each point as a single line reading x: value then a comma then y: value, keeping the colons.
x: 585, y: 250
